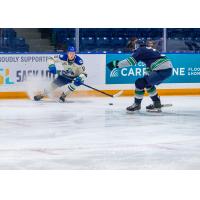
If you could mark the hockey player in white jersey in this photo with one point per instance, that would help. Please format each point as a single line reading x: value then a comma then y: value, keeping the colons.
x: 72, y: 75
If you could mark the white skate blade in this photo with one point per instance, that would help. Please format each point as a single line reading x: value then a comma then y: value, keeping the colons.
x: 132, y: 112
x: 155, y: 110
x: 60, y: 101
x: 166, y: 105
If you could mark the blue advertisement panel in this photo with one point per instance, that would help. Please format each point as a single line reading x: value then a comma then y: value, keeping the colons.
x: 186, y: 69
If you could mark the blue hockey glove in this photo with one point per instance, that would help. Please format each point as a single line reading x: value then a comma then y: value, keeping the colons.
x: 113, y: 64
x: 52, y: 69
x: 78, y: 81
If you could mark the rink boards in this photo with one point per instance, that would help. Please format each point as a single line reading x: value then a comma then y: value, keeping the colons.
x: 17, y: 69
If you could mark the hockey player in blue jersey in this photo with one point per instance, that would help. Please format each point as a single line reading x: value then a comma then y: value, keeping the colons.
x: 73, y: 73
x: 158, y: 69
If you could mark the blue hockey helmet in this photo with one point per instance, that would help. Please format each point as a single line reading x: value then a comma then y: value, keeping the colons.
x: 71, y: 49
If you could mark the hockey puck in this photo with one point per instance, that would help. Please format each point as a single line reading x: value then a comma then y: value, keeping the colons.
x: 111, y: 104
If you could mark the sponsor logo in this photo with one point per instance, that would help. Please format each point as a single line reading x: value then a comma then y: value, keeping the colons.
x: 5, y: 76
x: 186, y: 69
x: 127, y: 72
x: 22, y: 75
x: 114, y: 73
x: 138, y: 72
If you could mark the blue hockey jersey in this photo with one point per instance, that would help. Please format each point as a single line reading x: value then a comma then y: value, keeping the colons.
x: 70, y: 68
x: 77, y: 60
x: 153, y: 59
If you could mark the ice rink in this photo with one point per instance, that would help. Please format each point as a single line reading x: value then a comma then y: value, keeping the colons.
x: 87, y: 133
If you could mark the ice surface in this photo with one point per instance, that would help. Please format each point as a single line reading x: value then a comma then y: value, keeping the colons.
x: 87, y: 133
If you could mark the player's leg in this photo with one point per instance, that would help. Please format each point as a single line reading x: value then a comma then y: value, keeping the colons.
x: 140, y: 84
x: 76, y: 82
x: 58, y: 82
x: 156, y: 106
x: 70, y: 88
x: 155, y: 78
x: 149, y: 82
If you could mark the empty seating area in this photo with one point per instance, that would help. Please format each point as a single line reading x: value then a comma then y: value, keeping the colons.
x: 101, y: 40
x: 98, y: 40
x: 9, y: 42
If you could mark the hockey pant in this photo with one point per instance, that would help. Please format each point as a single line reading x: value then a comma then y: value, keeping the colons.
x: 149, y: 82
x: 59, y: 82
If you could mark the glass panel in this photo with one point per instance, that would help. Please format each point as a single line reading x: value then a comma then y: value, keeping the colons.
x: 35, y: 39
x: 97, y: 40
x: 183, y: 40
x: 117, y: 40
x: 63, y: 37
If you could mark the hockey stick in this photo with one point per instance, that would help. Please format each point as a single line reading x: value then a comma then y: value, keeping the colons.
x: 113, y: 96
x: 100, y: 91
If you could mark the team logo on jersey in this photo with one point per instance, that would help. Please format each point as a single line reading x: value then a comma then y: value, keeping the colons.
x: 5, y: 76
x: 114, y: 73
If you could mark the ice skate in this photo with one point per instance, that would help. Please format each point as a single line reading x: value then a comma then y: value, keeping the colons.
x: 38, y: 97
x: 62, y: 98
x: 134, y: 107
x: 155, y: 107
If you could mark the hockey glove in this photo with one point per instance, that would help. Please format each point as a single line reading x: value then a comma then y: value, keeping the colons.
x: 78, y: 81
x: 52, y: 69
x: 113, y: 64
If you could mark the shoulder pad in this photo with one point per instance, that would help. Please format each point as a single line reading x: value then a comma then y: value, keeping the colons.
x: 142, y: 48
x: 138, y: 50
x: 63, y: 57
x: 78, y: 60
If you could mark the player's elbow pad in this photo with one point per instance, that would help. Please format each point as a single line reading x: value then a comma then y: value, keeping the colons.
x: 52, y: 69
x: 51, y: 61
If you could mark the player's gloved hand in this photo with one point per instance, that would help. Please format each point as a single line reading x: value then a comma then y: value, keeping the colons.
x: 113, y: 64
x: 52, y: 68
x: 78, y: 80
